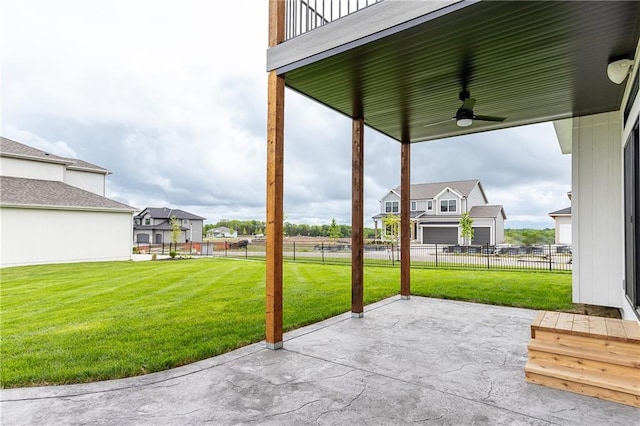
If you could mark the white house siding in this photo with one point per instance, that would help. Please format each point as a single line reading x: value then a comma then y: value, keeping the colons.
x: 92, y: 182
x: 597, y: 225
x: 475, y: 198
x: 447, y: 195
x: 31, y: 169
x: 37, y: 236
x: 563, y: 229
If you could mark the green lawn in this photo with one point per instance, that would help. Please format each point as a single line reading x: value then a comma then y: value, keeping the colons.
x: 82, y: 322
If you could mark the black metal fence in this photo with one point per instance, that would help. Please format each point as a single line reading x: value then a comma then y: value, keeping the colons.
x: 446, y: 256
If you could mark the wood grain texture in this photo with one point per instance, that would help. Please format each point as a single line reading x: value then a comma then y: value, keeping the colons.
x: 357, y: 217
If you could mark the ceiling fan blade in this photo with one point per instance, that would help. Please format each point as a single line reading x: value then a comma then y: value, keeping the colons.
x: 469, y: 103
x: 439, y: 122
x: 489, y: 118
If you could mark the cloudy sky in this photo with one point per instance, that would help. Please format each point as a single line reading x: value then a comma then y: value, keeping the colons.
x: 171, y: 96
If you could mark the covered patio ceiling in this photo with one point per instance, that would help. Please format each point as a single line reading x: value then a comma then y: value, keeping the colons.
x: 527, y: 61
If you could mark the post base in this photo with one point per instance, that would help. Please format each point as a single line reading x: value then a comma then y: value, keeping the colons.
x: 357, y: 314
x: 274, y: 346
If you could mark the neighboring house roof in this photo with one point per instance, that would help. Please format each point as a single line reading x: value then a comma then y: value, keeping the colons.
x: 413, y: 215
x: 11, y: 148
x: 420, y: 191
x: 487, y: 211
x: 22, y: 192
x: 167, y: 213
x: 561, y: 212
x: 85, y: 166
x: 164, y: 226
x: 221, y: 229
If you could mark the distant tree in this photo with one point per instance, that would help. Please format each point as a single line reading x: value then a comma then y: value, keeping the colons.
x: 466, y: 228
x: 334, y: 230
x: 175, y: 230
x: 391, y: 224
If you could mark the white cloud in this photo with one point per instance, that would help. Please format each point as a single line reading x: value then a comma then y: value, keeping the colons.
x: 172, y: 98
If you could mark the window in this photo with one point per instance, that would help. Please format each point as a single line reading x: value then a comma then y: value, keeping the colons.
x: 448, y: 206
x: 147, y: 221
x: 414, y: 206
x: 429, y: 205
x: 391, y: 207
x: 185, y: 221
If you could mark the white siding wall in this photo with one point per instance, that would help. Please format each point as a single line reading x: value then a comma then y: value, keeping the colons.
x: 15, y: 167
x: 448, y: 195
x: 33, y: 236
x: 389, y: 197
x: 475, y: 198
x: 92, y: 182
x: 563, y: 229
x: 597, y: 227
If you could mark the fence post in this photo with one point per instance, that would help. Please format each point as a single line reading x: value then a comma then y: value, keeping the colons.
x: 225, y: 249
x: 246, y: 251
x: 294, y: 251
x: 190, y: 245
x: 550, y: 263
x: 487, y: 255
x: 436, y: 255
x: 162, y: 247
x: 393, y: 256
x: 322, y: 250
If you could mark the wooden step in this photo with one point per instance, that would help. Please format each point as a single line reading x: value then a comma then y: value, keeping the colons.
x: 610, y: 329
x: 609, y: 379
x: 594, y: 356
x: 629, y: 357
x: 559, y: 379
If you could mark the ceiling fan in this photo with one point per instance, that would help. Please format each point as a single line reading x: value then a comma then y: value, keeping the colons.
x: 464, y: 116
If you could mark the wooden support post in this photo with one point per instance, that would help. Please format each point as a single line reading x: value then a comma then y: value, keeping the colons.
x: 275, y: 185
x: 405, y: 226
x: 357, y: 219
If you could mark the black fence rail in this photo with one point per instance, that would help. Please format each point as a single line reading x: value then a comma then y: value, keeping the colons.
x: 445, y: 256
x: 302, y: 16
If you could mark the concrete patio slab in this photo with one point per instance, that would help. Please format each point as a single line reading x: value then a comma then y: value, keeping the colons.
x: 406, y: 361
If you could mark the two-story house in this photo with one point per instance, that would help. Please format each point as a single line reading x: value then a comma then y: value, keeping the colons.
x: 154, y: 225
x: 436, y: 209
x: 54, y: 210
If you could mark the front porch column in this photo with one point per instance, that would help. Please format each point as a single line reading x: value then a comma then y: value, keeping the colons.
x: 275, y: 185
x: 405, y: 224
x: 357, y: 219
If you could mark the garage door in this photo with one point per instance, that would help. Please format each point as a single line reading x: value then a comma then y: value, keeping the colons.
x: 481, y: 236
x: 440, y: 235
x: 142, y: 238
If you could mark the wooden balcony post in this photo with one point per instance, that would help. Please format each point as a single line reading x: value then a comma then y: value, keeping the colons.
x: 357, y: 219
x: 275, y: 185
x: 405, y: 225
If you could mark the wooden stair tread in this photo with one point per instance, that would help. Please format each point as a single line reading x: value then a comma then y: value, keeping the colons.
x: 620, y: 384
x: 588, y: 326
x: 584, y: 389
x: 585, y: 353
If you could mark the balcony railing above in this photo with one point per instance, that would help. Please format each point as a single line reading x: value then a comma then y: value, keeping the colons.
x: 305, y: 15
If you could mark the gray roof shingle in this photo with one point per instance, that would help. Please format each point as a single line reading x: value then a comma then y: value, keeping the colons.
x: 46, y: 193
x: 167, y: 213
x: 487, y: 211
x: 421, y: 191
x: 11, y: 148
x: 565, y: 211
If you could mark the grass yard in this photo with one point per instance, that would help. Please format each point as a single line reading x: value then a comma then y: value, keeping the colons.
x: 83, y: 322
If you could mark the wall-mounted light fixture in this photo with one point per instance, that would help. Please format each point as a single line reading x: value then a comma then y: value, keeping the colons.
x: 618, y: 70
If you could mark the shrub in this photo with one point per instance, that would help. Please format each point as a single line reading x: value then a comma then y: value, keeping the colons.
x: 154, y: 256
x: 172, y: 253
